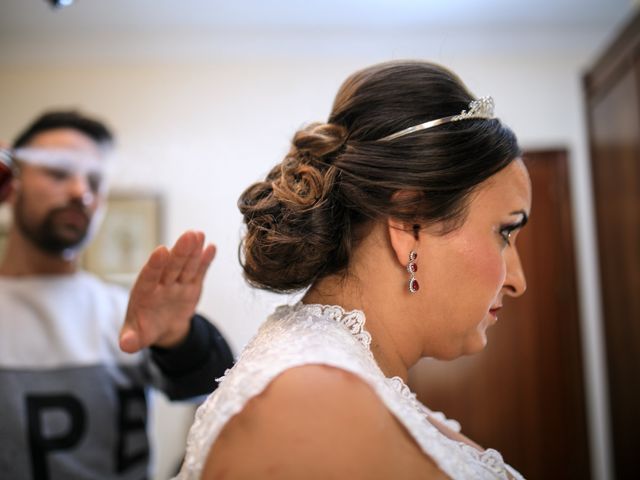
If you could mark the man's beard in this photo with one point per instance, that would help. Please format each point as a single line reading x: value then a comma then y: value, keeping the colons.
x: 47, y: 235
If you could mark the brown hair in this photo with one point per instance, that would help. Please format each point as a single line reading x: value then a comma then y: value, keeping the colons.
x: 52, y: 120
x: 306, y: 216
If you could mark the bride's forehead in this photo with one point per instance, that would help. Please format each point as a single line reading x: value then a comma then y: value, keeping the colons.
x: 508, y: 189
x: 511, y: 180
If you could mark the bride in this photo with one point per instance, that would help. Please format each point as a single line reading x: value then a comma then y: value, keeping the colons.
x: 399, y: 217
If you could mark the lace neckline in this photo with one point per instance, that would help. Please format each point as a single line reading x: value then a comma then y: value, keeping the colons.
x: 299, y: 334
x: 488, y: 455
x: 353, y: 320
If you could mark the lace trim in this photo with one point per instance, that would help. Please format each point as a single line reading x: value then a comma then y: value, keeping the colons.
x: 490, y: 458
x: 354, y: 320
x: 296, y: 335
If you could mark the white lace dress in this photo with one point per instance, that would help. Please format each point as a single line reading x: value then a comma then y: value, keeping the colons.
x: 318, y: 334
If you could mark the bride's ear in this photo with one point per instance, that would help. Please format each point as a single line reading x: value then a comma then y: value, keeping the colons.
x: 403, y: 238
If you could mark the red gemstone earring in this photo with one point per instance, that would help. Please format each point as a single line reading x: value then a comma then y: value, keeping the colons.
x: 412, y: 268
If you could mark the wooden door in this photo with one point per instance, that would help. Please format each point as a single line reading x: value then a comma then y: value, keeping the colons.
x: 613, y: 109
x: 523, y: 395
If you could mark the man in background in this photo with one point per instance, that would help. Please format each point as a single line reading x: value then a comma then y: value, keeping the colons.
x: 73, y: 403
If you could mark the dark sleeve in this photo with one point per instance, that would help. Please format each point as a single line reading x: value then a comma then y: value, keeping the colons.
x: 191, y: 368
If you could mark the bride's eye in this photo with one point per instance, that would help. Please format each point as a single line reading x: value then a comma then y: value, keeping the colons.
x: 506, y: 231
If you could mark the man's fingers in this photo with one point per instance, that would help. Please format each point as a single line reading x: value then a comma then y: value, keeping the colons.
x: 190, y: 268
x: 205, y: 260
x: 129, y: 340
x: 146, y: 283
x: 151, y: 272
x: 187, y: 245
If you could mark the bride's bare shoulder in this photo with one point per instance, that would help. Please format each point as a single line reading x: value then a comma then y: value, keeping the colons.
x: 316, y: 420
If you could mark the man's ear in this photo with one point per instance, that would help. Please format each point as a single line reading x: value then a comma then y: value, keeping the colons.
x: 403, y: 238
x: 8, y: 192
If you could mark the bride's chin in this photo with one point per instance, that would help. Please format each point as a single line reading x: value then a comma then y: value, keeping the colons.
x: 476, y: 344
x: 473, y: 343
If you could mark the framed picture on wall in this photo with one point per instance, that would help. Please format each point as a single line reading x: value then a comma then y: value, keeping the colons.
x: 131, y: 229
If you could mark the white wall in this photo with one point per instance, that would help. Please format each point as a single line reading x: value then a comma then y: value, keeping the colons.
x: 201, y: 128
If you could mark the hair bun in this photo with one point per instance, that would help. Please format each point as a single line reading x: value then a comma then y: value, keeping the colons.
x: 318, y: 140
x: 291, y: 218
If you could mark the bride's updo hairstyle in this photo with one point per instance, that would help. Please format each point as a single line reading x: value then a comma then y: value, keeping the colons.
x: 306, y: 216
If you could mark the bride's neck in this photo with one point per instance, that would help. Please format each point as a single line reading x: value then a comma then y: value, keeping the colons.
x: 391, y: 346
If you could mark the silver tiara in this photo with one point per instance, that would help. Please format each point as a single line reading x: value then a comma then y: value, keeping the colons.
x: 480, y: 108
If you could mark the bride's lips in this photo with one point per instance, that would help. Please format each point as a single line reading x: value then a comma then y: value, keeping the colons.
x: 494, y: 311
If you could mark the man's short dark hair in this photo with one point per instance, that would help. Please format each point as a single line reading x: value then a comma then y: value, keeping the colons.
x: 94, y: 129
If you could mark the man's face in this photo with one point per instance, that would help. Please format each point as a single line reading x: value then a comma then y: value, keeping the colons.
x: 54, y: 203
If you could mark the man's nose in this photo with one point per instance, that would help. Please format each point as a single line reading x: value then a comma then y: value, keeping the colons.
x: 80, y: 189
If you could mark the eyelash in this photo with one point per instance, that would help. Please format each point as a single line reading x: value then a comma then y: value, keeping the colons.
x: 506, y: 231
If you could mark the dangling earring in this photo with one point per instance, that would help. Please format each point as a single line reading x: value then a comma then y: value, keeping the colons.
x: 412, y: 268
